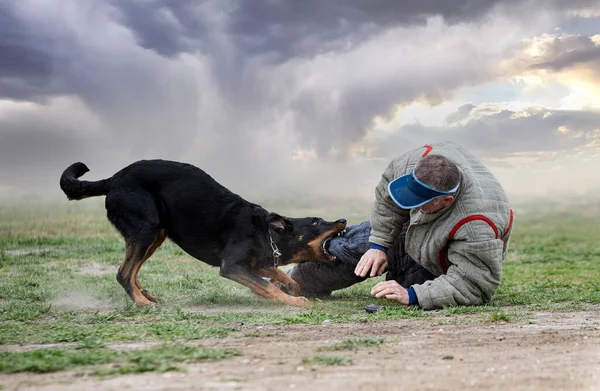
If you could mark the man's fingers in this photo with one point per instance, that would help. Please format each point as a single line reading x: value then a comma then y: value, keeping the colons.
x: 378, y: 267
x: 374, y: 268
x: 376, y: 289
x: 385, y: 287
x: 381, y: 285
x: 381, y: 268
x: 359, y: 266
x: 390, y: 290
x: 385, y: 292
x: 363, y: 267
x: 374, y: 261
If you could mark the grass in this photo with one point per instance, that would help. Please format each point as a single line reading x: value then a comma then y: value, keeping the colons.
x: 158, y: 359
x: 15, y: 332
x: 328, y: 361
x: 355, y: 344
x: 57, y: 285
x: 499, y: 317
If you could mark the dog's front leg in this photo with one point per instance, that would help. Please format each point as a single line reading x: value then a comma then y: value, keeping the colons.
x: 278, y: 275
x: 242, y: 275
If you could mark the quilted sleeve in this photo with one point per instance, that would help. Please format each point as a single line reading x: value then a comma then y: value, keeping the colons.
x: 474, y: 274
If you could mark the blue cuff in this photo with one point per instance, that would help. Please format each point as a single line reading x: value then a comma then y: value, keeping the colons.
x: 412, y: 297
x: 378, y: 247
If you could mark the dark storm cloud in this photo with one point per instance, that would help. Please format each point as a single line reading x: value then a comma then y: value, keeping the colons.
x: 566, y: 52
x: 23, y: 53
x: 283, y: 29
x: 136, y: 94
x: 28, y: 65
x: 168, y: 27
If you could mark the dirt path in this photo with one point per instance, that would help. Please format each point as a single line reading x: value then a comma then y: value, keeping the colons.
x: 554, y: 351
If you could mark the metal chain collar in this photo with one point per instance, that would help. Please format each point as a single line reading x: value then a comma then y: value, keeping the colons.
x: 276, y: 252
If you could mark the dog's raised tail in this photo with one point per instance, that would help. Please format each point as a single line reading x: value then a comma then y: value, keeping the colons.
x: 76, y: 189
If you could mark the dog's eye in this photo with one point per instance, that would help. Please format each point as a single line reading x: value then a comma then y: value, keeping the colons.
x: 315, y: 223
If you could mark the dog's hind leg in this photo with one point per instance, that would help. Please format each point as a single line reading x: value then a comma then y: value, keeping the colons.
x: 160, y: 238
x: 135, y: 215
x: 134, y: 255
x: 243, y: 275
x: 282, y: 278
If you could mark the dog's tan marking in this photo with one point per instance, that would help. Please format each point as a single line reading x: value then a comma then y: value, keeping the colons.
x: 126, y: 276
x: 160, y: 238
x: 269, y: 290
x: 316, y: 243
x: 280, y: 276
x: 301, y: 256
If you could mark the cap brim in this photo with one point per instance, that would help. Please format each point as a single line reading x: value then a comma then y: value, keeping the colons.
x: 403, y: 197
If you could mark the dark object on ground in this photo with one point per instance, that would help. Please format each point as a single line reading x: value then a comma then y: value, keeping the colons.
x: 374, y: 307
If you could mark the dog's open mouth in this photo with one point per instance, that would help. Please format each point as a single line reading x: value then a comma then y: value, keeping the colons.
x: 327, y: 242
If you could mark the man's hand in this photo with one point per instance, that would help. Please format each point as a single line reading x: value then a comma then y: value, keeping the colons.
x: 374, y: 260
x: 391, y: 290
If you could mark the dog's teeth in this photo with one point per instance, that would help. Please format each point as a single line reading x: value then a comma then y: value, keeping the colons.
x: 324, y: 245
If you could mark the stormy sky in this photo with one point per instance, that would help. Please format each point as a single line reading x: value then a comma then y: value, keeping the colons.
x: 300, y: 98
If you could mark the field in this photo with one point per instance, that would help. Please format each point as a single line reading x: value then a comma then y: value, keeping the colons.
x: 65, y: 323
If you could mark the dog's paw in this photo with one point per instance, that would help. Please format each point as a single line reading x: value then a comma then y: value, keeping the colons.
x: 282, y: 287
x: 302, y: 301
x: 292, y: 289
x: 143, y: 303
x: 154, y: 299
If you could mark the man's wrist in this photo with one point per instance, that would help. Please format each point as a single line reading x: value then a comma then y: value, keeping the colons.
x: 412, y: 297
x: 378, y: 247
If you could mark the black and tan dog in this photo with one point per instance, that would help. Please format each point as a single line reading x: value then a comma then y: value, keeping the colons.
x: 151, y: 200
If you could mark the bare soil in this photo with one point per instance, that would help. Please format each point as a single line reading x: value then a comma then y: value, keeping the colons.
x: 551, y: 351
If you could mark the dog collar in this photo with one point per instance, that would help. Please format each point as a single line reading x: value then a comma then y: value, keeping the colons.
x: 276, y: 252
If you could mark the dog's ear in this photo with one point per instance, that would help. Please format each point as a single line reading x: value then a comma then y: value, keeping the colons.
x: 276, y: 222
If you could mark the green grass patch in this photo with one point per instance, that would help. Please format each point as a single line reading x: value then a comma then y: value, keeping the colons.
x: 552, y: 259
x: 328, y: 361
x: 355, y: 344
x: 52, y: 360
x: 499, y: 317
x: 159, y: 359
x: 58, y: 331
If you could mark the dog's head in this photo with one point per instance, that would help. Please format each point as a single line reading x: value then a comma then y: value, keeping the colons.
x: 303, y: 239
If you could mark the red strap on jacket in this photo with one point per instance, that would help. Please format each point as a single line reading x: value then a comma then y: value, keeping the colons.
x: 443, y: 255
x: 428, y: 149
x: 510, y: 221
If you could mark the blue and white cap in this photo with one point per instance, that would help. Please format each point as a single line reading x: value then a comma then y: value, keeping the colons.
x: 408, y: 192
